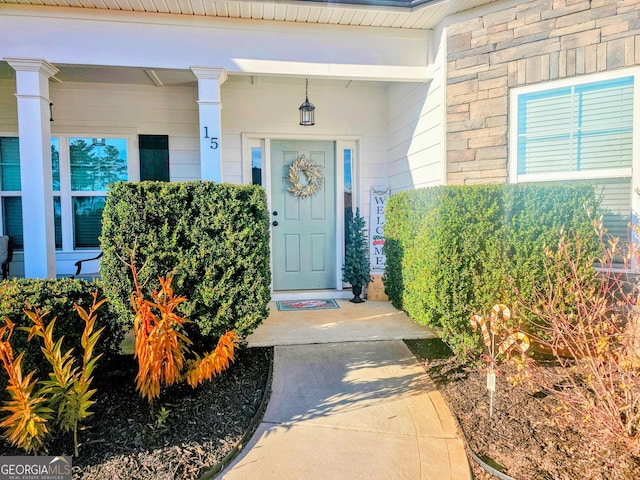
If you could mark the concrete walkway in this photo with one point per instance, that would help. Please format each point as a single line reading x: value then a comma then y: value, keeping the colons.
x: 349, y: 403
x: 349, y: 323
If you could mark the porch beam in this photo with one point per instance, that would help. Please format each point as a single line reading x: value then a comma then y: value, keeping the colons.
x: 34, y: 129
x: 306, y: 49
x: 374, y: 73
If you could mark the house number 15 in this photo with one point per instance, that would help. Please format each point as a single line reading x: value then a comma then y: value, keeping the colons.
x: 214, y: 140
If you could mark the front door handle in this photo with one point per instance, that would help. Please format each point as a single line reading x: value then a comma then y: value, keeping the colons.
x: 274, y: 223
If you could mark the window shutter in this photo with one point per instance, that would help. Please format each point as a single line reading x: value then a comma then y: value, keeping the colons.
x: 154, y: 157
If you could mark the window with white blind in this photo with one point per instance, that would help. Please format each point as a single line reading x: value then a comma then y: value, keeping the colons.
x: 578, y: 133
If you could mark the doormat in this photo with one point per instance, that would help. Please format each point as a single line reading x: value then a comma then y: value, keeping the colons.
x: 290, y: 305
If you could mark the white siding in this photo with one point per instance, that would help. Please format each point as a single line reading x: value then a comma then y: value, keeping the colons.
x: 268, y: 108
x: 111, y: 109
x: 8, y: 108
x: 416, y: 131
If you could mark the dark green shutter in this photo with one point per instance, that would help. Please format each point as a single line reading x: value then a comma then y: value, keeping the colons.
x: 154, y: 157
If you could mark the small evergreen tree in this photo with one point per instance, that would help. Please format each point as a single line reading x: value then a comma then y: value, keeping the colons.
x: 356, y: 261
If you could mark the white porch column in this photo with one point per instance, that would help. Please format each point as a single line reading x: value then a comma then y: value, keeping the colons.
x: 209, y: 82
x: 32, y: 92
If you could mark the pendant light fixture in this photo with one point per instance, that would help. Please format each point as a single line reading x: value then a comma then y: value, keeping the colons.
x: 307, y: 109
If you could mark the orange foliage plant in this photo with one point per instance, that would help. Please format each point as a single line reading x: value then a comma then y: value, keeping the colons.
x: 26, y: 422
x: 162, y: 349
x: 65, y: 397
x: 68, y: 386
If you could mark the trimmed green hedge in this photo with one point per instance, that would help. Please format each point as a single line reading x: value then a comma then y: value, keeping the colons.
x: 58, y: 298
x: 451, y: 250
x: 213, y: 238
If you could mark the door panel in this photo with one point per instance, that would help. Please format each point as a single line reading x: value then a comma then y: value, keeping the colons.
x: 292, y: 253
x: 318, y: 254
x: 304, y: 241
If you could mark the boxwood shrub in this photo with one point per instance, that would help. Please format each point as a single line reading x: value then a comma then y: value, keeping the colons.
x: 212, y: 238
x: 58, y: 298
x: 453, y: 251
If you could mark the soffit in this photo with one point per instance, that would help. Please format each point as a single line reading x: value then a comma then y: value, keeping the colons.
x: 409, y: 14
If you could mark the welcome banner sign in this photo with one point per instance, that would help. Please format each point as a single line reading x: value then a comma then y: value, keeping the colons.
x: 379, y: 196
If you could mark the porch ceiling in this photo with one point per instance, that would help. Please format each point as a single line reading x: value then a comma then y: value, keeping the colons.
x: 409, y: 14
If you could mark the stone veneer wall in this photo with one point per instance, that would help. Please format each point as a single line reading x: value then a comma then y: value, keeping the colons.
x: 529, y: 43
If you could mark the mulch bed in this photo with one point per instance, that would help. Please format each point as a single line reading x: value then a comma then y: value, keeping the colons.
x: 127, y: 439
x: 520, y: 438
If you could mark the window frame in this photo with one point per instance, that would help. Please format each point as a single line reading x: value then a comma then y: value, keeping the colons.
x: 632, y: 173
x: 515, y: 93
x: 66, y: 194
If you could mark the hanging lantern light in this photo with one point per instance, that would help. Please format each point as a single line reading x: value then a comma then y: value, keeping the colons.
x: 307, y: 109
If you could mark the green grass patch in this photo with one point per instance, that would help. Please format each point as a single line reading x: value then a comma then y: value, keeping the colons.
x: 426, y: 349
